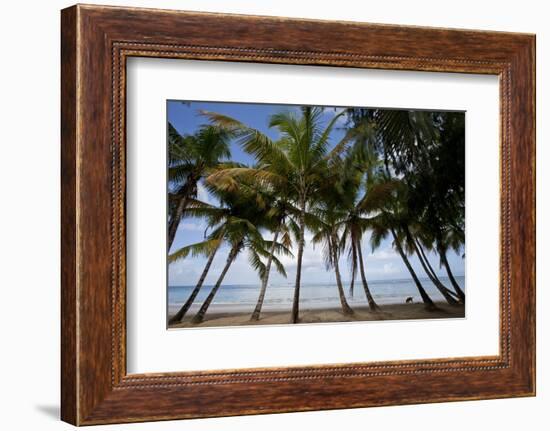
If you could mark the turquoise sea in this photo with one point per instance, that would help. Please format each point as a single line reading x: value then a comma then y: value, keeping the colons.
x: 243, y: 297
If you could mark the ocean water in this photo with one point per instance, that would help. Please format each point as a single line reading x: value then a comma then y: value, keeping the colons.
x: 242, y: 298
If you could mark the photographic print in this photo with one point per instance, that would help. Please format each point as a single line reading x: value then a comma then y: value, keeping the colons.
x: 300, y: 229
x: 287, y: 214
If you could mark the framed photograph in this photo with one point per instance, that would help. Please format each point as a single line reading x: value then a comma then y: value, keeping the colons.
x: 302, y: 217
x: 268, y: 215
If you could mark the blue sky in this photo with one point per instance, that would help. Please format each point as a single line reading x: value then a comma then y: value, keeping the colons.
x: 384, y: 263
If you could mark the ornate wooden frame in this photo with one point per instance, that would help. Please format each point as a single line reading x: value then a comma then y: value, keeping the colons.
x: 95, y: 43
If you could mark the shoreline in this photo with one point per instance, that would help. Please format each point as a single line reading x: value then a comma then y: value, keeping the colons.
x: 389, y: 312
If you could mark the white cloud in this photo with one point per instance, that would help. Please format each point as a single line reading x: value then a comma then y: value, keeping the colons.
x: 389, y: 268
x: 384, y: 263
x: 385, y: 254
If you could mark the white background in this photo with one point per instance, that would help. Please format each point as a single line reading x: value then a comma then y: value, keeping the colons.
x: 151, y: 348
x: 29, y: 228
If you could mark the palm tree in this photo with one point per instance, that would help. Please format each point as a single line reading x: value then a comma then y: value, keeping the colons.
x: 279, y: 213
x: 413, y: 248
x: 363, y: 167
x: 327, y: 234
x: 241, y: 234
x: 449, y: 170
x: 278, y: 209
x: 241, y: 230
x: 190, y: 158
x: 218, y: 219
x: 355, y: 224
x: 424, y: 238
x: 300, y: 161
x: 452, y: 240
x: 427, y: 149
x: 392, y: 220
x: 429, y: 304
x: 209, y: 248
x: 230, y: 222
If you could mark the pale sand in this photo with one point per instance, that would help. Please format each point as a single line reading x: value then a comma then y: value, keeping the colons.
x: 388, y: 312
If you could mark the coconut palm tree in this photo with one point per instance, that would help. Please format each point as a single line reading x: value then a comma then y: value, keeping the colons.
x: 442, y: 248
x: 278, y: 209
x: 392, y: 221
x: 242, y: 230
x: 413, y: 248
x: 208, y: 248
x: 301, y: 161
x: 225, y: 222
x: 329, y: 216
x: 452, y: 240
x: 436, y: 280
x: 218, y: 219
x: 362, y: 160
x: 355, y: 223
x: 190, y: 158
x: 437, y: 192
x: 424, y: 238
x: 242, y: 234
x: 425, y: 150
x: 279, y: 213
x: 369, y: 194
x: 381, y: 228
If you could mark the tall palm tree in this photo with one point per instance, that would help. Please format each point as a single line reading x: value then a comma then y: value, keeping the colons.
x: 190, y: 158
x: 391, y: 221
x: 327, y: 234
x: 427, y: 150
x: 241, y: 234
x: 452, y: 240
x: 218, y: 219
x: 413, y: 248
x: 434, y: 277
x: 226, y: 222
x: 279, y: 213
x: 424, y: 238
x: 278, y: 209
x: 207, y: 248
x: 356, y: 223
x: 301, y: 161
x: 368, y: 194
x: 242, y: 229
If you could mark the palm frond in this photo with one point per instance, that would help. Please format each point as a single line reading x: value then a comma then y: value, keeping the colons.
x: 256, y: 263
x: 279, y: 266
x: 203, y: 248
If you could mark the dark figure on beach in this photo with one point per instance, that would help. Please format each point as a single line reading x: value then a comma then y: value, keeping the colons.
x: 409, y: 300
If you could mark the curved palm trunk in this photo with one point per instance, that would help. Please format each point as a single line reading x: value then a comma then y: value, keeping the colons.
x: 345, y: 306
x: 425, y: 297
x: 456, y: 287
x: 372, y: 304
x: 176, y: 318
x: 351, y: 284
x: 199, y: 317
x: 259, y: 304
x: 442, y: 289
x: 353, y: 271
x: 430, y: 267
x: 174, y: 222
x: 296, y: 300
x: 428, y: 264
x: 175, y: 217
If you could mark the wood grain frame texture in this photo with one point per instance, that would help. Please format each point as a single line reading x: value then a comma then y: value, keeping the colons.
x: 95, y: 43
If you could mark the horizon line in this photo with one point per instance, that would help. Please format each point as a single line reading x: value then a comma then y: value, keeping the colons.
x: 357, y: 282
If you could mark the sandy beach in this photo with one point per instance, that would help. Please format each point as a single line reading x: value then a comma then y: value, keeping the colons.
x: 326, y: 315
